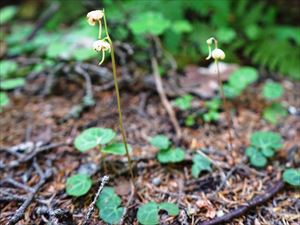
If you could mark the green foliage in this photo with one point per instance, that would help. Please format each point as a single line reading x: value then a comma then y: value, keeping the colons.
x: 272, y: 90
x: 7, y: 68
x: 7, y: 13
x: 78, y: 185
x: 274, y: 113
x: 184, y: 102
x: 292, y: 176
x: 148, y: 213
x: 152, y: 23
x: 4, y: 100
x: 170, y: 155
x: 200, y: 163
x: 212, y: 113
x: 116, y: 148
x: 92, y: 137
x: 239, y: 81
x: 10, y: 84
x: 263, y: 145
x: 166, y: 153
x: 160, y: 142
x: 190, y: 121
x: 108, y: 204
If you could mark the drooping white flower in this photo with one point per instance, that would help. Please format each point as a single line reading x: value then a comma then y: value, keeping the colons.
x: 209, y: 41
x: 101, y: 45
x: 218, y: 54
x: 94, y: 16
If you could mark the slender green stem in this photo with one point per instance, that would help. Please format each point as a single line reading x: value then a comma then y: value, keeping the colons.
x: 118, y: 99
x: 228, y: 117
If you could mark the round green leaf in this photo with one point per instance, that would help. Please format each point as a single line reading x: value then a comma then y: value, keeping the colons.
x: 231, y: 91
x: 171, y: 155
x: 160, y: 141
x: 243, y: 77
x: 182, y: 26
x: 12, y: 83
x: 267, y: 152
x: 171, y: 208
x: 149, y: 23
x: 78, y: 185
x: 274, y: 113
x: 184, y: 102
x: 266, y: 139
x: 4, y: 100
x: 258, y: 160
x: 213, y: 104
x: 211, y: 115
x: 111, y: 215
x: 109, y: 198
x: 200, y: 163
x: 116, y: 149
x: 148, y: 214
x: 272, y: 90
x: 92, y: 137
x: 292, y: 177
x: 225, y: 34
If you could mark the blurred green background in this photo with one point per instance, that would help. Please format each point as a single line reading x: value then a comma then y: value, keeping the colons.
x: 264, y: 34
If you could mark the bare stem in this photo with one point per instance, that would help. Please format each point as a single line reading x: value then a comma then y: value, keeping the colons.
x: 228, y: 117
x: 113, y: 61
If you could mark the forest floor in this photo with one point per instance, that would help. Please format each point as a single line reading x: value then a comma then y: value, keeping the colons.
x: 39, y: 124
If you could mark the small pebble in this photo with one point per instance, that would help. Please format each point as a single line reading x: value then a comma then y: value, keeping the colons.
x: 156, y: 181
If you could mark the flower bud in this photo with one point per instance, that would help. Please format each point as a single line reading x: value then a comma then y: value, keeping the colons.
x: 101, y: 45
x: 218, y: 54
x: 209, y: 41
x: 94, y: 16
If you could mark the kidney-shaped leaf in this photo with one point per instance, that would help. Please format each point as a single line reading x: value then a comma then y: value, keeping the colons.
x: 111, y: 215
x: 78, y: 185
x: 272, y: 90
x: 242, y: 77
x: 116, y: 149
x: 160, y: 141
x: 12, y: 83
x: 200, y: 163
x: 266, y: 139
x: 292, y: 177
x: 148, y: 214
x: 171, y: 208
x: 171, y: 155
x: 92, y: 137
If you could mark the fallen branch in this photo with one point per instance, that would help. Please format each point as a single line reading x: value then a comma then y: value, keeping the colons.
x: 20, y: 212
x: 104, y: 180
x: 258, y: 200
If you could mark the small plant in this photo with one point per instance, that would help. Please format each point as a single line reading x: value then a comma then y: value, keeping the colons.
x: 218, y: 54
x: 292, y: 176
x: 103, y: 138
x: 263, y: 145
x: 104, y: 45
x: 108, y: 204
x: 239, y: 81
x: 78, y: 185
x: 4, y: 100
x: 275, y: 111
x: 166, y: 153
x: 148, y: 213
x: 200, y: 163
x: 184, y: 102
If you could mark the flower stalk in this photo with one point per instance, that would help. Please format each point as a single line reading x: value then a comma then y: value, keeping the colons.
x: 103, y: 45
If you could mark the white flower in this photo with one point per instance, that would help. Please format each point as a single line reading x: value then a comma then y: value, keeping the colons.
x: 94, y: 16
x: 101, y: 45
x: 218, y: 54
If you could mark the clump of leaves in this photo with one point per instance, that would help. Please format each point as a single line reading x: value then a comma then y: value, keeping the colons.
x: 103, y: 138
x: 212, y: 113
x: 263, y: 145
x: 148, y: 213
x: 239, y: 81
x: 166, y: 153
x: 78, y: 185
x: 292, y: 176
x: 200, y: 163
x: 108, y: 204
